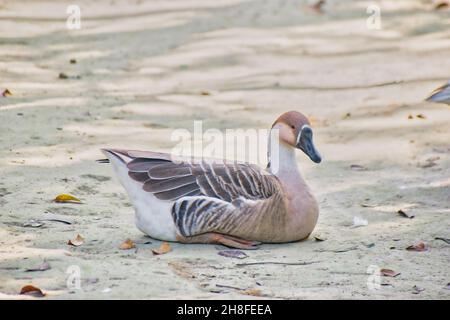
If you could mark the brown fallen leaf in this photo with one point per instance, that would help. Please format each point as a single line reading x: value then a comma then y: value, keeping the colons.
x: 66, y: 198
x: 127, y: 244
x: 42, y: 267
x: 205, y: 93
x: 442, y: 5
x: 164, y: 248
x: 78, y: 241
x: 30, y: 290
x: 182, y: 269
x: 430, y: 162
x: 252, y: 292
x: 421, y: 116
x: 318, y: 122
x: 404, y: 214
x: 6, y: 93
x: 317, y: 7
x: 417, y: 247
x: 389, y: 273
x: 319, y: 239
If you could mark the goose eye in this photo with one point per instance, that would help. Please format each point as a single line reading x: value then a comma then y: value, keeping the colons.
x: 293, y: 127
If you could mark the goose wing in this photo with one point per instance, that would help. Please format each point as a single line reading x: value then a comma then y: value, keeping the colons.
x: 171, y: 179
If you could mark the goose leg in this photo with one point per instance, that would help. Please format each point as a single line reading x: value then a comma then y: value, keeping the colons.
x: 226, y: 240
x: 238, y: 243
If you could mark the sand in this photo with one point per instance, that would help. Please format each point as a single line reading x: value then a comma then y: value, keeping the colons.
x: 141, y: 68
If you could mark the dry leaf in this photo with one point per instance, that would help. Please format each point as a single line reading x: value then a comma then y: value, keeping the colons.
x: 78, y: 241
x: 42, y: 267
x: 404, y: 214
x: 427, y: 164
x: 421, y: 116
x: 127, y: 244
x: 417, y: 290
x: 238, y: 254
x: 442, y: 5
x: 66, y: 198
x: 205, y: 93
x: 182, y: 269
x: 6, y: 93
x: 33, y: 223
x: 319, y: 239
x: 317, y: 7
x: 252, y: 292
x: 164, y: 248
x: 417, y: 247
x: 367, y: 205
x: 92, y: 280
x: 32, y: 291
x: 389, y: 273
x: 430, y: 162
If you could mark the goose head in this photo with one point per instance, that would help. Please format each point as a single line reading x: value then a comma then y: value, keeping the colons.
x: 295, y: 131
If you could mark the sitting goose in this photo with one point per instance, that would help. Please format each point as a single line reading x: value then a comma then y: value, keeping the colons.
x: 231, y: 203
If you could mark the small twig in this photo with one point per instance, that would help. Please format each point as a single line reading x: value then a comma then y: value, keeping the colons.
x: 275, y: 262
x: 57, y: 220
x: 339, y: 250
x: 229, y: 287
x: 447, y: 241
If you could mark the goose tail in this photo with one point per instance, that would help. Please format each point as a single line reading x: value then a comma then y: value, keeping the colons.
x: 119, y: 160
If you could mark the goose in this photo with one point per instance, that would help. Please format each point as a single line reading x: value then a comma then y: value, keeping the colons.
x: 441, y: 94
x: 235, y: 204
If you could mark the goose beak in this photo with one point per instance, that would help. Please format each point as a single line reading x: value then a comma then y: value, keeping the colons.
x: 305, y: 143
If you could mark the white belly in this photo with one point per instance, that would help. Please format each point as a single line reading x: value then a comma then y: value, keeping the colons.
x: 153, y: 216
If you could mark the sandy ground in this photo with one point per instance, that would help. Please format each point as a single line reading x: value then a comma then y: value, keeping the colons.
x: 141, y: 68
